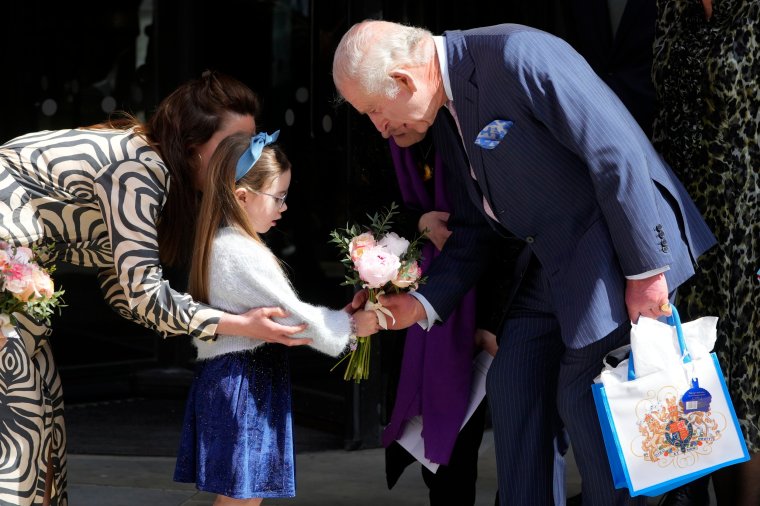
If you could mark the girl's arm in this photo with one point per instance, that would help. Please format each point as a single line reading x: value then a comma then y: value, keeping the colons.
x: 244, y: 274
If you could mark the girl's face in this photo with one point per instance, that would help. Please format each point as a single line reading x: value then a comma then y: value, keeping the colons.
x: 266, y: 206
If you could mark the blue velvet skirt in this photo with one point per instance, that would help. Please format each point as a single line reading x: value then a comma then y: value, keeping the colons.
x: 237, y: 438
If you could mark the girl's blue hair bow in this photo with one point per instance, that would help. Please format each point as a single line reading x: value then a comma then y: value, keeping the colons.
x: 251, y: 155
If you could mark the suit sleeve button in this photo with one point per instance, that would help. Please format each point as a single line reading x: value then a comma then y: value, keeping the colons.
x: 530, y: 239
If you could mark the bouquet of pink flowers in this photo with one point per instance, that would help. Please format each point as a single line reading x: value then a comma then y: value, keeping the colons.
x: 25, y: 287
x: 382, y: 262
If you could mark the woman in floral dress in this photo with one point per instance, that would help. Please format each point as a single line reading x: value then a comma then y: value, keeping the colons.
x: 706, y: 73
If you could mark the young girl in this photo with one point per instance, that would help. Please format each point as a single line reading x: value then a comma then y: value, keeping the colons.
x: 237, y: 438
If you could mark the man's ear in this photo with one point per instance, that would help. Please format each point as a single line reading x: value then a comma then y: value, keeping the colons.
x: 405, y: 79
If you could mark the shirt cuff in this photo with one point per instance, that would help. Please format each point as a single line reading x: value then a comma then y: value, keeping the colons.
x: 432, y: 316
x: 648, y: 274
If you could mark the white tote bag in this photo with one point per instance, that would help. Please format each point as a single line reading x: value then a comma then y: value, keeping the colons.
x: 668, y: 420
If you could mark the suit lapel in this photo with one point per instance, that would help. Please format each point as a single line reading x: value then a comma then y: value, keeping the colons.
x: 461, y: 72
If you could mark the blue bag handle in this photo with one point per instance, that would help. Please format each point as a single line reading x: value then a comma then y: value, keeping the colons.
x: 675, y: 320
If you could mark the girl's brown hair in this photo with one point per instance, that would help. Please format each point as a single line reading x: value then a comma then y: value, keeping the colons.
x: 219, y: 206
x: 187, y: 118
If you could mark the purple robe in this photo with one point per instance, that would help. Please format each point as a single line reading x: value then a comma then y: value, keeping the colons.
x: 436, y: 369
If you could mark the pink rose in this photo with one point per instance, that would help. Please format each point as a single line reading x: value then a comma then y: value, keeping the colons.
x: 43, y: 284
x: 408, y: 275
x: 359, y: 244
x: 394, y: 244
x: 377, y: 267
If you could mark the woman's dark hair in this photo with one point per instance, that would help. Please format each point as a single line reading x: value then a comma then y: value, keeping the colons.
x: 184, y: 120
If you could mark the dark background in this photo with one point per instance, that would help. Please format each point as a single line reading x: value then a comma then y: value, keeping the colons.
x: 72, y: 63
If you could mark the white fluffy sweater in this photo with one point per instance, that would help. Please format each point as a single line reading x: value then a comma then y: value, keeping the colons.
x: 244, y: 274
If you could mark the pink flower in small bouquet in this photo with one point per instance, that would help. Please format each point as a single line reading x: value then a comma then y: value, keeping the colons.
x: 25, y: 287
x: 382, y: 262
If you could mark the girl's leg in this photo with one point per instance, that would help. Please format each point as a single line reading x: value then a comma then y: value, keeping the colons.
x: 222, y: 500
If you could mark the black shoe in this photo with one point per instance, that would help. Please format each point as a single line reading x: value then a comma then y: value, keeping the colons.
x: 691, y: 494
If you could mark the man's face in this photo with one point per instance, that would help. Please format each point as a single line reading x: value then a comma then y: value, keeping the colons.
x: 408, y: 111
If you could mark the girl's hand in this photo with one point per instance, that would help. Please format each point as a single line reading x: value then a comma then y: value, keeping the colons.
x: 366, y: 323
x: 358, y: 302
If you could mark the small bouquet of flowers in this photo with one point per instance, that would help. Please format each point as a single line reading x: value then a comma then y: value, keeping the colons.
x: 25, y: 287
x: 382, y: 262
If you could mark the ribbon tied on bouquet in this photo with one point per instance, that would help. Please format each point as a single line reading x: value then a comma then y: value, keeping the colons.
x: 381, y: 311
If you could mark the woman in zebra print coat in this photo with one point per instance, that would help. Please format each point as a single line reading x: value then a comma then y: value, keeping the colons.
x: 110, y: 196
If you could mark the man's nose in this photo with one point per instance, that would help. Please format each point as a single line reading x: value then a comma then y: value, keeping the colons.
x: 380, y: 123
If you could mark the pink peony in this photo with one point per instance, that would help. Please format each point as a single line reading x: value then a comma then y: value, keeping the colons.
x: 18, y: 281
x: 359, y: 244
x: 408, y: 275
x: 377, y: 267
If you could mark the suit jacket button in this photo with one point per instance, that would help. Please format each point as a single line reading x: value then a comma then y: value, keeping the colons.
x: 660, y: 234
x: 664, y: 242
x: 658, y: 228
x: 529, y: 239
x: 665, y: 249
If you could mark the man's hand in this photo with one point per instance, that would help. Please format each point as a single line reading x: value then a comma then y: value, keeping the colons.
x: 258, y: 323
x: 486, y: 340
x: 648, y: 297
x: 435, y: 225
x: 406, y: 310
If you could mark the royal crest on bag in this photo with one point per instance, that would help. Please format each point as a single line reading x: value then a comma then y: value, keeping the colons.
x: 674, y: 435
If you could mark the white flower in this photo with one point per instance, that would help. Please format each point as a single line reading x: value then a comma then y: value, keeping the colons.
x: 394, y: 244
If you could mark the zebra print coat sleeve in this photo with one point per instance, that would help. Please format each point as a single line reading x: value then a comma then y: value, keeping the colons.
x: 97, y: 195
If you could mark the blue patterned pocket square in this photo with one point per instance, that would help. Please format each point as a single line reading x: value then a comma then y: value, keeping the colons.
x: 493, y: 133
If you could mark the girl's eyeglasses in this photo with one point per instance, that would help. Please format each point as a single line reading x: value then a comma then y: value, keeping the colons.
x: 280, y: 200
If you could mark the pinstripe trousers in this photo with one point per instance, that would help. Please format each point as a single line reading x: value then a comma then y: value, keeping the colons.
x: 535, y: 386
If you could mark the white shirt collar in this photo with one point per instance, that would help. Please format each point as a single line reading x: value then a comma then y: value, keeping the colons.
x: 440, y: 50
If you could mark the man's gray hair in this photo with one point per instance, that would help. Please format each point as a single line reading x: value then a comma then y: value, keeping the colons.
x: 367, y: 59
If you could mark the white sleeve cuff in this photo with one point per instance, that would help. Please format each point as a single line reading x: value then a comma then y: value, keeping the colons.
x: 432, y: 316
x: 649, y: 274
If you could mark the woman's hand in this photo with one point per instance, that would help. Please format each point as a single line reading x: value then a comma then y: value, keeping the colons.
x: 435, y: 224
x: 707, y: 4
x: 258, y: 323
x: 366, y: 323
x: 487, y: 341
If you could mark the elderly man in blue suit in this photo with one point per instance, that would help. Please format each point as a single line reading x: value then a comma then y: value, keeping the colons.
x: 542, y: 150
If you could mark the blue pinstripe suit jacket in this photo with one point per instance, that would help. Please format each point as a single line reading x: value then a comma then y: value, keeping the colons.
x: 574, y: 176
